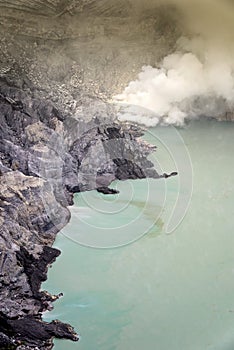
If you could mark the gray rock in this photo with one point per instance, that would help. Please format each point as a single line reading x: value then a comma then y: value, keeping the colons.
x: 44, y: 159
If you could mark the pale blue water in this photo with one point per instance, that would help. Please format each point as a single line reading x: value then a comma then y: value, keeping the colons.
x: 164, y: 291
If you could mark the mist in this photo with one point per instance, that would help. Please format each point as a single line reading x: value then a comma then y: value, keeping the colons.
x: 197, y: 79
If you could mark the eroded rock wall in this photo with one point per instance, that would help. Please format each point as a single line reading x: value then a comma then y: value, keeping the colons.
x: 45, y: 157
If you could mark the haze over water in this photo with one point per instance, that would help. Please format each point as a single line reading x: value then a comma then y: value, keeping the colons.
x: 163, y: 291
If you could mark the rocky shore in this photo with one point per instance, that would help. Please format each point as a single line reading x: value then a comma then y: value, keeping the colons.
x: 46, y: 156
x: 60, y: 64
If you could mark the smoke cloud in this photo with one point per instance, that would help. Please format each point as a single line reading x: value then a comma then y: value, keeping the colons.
x: 197, y: 79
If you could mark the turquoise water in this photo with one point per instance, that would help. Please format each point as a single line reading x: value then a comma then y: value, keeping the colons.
x: 156, y: 290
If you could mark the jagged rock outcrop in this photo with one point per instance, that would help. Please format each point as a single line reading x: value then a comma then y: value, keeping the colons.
x: 45, y: 157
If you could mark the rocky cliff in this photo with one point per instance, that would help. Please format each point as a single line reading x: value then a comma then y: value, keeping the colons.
x: 45, y: 156
x: 60, y: 62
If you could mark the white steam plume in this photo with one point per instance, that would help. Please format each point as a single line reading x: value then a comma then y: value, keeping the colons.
x: 196, y: 80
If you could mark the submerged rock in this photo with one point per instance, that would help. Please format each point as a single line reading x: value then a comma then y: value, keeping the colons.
x: 45, y: 157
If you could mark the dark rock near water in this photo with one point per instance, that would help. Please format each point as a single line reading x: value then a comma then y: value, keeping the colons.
x: 107, y: 190
x: 36, y: 269
x: 45, y: 157
x: 166, y: 176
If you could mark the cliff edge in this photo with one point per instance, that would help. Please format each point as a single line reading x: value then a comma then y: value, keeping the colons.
x: 45, y: 157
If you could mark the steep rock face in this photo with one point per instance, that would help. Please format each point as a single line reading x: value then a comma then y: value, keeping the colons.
x: 45, y: 157
x: 60, y: 62
x: 87, y: 48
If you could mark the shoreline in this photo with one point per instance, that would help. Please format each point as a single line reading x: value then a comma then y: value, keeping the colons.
x: 45, y: 159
